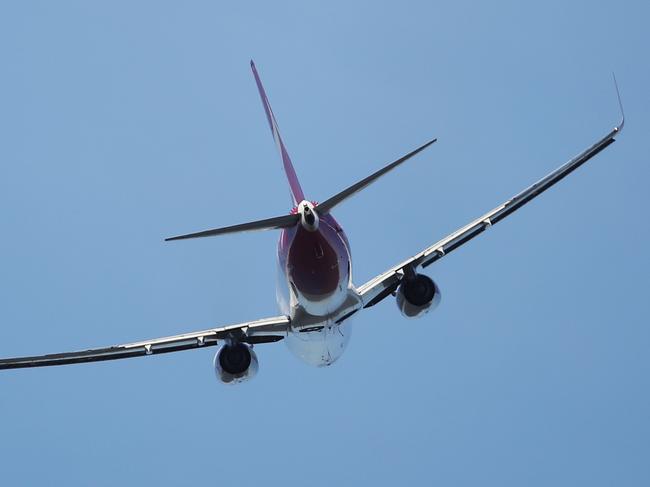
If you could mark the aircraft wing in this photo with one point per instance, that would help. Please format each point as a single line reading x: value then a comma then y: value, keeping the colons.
x: 385, y: 284
x: 260, y: 331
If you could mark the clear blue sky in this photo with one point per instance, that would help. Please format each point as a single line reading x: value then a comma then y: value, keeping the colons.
x: 125, y: 122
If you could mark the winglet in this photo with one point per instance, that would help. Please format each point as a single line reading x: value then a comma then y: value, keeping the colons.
x: 619, y: 127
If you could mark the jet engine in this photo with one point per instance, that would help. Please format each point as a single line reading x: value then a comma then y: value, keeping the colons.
x: 235, y: 363
x: 417, y: 295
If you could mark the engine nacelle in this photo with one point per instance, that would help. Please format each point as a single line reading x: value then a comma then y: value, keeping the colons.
x: 417, y: 295
x: 235, y: 363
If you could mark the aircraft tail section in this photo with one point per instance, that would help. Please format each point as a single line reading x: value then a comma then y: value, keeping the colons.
x: 294, y: 218
x: 327, y: 205
x: 286, y: 221
x: 274, y: 223
x: 294, y: 184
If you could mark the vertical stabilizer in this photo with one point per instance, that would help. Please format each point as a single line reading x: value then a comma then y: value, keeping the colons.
x: 294, y: 184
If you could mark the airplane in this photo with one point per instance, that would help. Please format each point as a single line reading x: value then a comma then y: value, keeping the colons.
x: 316, y: 295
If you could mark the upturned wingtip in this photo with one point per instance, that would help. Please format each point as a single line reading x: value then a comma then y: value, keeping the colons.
x: 620, y: 125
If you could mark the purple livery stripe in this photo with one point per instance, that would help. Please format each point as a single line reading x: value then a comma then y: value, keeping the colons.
x: 296, y: 190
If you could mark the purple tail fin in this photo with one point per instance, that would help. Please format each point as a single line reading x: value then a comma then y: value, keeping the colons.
x: 296, y: 190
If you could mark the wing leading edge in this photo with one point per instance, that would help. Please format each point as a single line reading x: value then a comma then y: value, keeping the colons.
x: 383, y: 285
x: 261, y: 331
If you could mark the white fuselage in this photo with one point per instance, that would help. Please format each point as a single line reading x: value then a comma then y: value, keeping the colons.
x: 315, y: 289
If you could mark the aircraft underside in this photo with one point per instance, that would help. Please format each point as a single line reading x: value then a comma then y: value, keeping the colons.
x: 315, y: 292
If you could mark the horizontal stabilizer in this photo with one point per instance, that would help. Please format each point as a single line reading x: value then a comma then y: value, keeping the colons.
x: 326, y: 206
x: 293, y: 219
x: 268, y: 224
